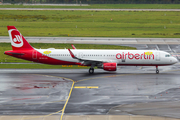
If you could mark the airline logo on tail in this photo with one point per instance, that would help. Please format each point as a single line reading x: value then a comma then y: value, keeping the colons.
x: 16, y: 38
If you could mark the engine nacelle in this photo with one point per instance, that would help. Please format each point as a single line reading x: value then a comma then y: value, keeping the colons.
x: 110, y: 66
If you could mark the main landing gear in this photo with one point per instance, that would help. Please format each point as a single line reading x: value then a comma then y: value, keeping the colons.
x: 91, y: 70
x: 157, y: 70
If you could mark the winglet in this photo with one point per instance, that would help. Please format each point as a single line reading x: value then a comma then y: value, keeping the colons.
x: 72, y: 55
x: 73, y: 46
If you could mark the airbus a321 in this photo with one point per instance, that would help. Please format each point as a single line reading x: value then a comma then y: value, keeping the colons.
x: 104, y: 59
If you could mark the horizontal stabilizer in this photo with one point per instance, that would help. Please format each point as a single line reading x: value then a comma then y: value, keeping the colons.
x: 13, y: 53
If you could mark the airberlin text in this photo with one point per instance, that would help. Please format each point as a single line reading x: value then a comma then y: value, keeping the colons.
x: 136, y: 56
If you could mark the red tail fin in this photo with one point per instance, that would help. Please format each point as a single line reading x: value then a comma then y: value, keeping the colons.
x: 18, y: 42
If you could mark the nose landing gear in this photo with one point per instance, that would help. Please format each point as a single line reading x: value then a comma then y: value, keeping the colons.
x: 157, y: 70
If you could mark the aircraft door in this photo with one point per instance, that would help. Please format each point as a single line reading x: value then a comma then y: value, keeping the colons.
x: 157, y: 56
x: 34, y: 54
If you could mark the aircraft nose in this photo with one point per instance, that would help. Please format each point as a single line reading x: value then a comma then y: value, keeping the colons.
x: 175, y: 60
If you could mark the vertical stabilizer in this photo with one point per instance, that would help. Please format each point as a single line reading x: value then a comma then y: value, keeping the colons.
x: 18, y: 42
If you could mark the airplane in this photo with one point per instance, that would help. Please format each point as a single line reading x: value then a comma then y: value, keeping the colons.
x: 104, y: 59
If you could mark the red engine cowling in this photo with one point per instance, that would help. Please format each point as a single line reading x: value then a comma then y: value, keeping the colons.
x: 110, y: 66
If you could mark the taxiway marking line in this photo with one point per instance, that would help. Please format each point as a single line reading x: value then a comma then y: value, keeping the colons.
x: 72, y: 86
x: 69, y: 92
x: 92, y: 86
x: 67, y: 100
x: 79, y: 86
x: 86, y: 87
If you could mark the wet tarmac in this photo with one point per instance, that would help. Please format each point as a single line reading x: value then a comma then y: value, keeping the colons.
x: 43, y: 92
x: 23, y: 93
x: 130, y: 90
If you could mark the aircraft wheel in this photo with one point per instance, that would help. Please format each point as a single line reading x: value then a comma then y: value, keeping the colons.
x: 91, y: 70
x: 157, y: 71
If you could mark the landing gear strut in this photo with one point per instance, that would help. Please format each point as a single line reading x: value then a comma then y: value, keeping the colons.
x: 157, y: 70
x: 91, y: 70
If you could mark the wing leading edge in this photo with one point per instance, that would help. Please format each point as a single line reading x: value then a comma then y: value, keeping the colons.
x: 86, y: 61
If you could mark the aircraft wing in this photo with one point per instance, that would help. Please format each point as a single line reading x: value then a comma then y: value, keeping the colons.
x: 87, y: 60
x: 93, y: 60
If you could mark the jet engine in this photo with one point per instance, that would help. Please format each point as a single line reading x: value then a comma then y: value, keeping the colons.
x: 109, y: 66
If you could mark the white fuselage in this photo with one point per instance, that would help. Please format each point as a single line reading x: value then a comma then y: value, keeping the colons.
x: 121, y: 57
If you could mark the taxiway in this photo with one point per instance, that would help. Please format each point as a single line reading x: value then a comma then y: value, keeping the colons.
x: 129, y: 91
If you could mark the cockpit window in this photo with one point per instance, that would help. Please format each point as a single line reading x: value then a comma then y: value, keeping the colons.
x: 167, y: 55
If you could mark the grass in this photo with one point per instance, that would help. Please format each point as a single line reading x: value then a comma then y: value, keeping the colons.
x: 7, y: 46
x: 104, y: 6
x: 38, y: 66
x: 92, y: 23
